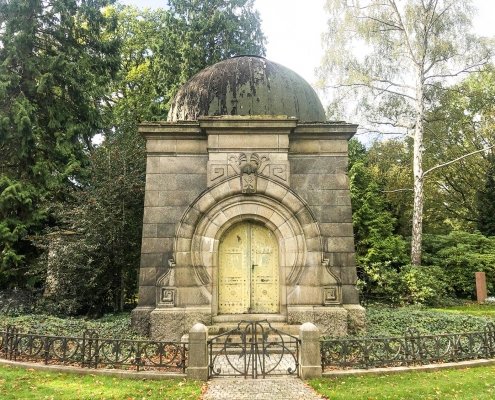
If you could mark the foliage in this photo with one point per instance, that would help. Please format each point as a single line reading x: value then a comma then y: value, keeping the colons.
x: 109, y: 326
x: 486, y: 202
x: 390, y: 160
x: 22, y: 383
x: 380, y: 252
x: 19, y: 215
x: 70, y: 70
x: 380, y: 321
x: 56, y: 61
x: 163, y: 48
x: 462, y: 123
x: 423, y: 42
x: 387, y: 321
x: 460, y: 255
x: 468, y: 383
x: 95, y: 270
x: 211, y: 31
x: 478, y: 310
x: 410, y: 284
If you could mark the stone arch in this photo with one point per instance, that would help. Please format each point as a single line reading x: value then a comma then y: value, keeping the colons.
x: 219, y: 207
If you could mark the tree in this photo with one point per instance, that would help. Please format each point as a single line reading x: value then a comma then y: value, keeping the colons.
x: 380, y: 251
x: 206, y: 32
x: 163, y: 48
x: 56, y: 60
x: 462, y: 124
x: 96, y: 271
x: 397, y: 56
x: 486, y: 202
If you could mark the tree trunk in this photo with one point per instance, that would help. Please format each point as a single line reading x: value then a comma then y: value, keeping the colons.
x: 417, y: 220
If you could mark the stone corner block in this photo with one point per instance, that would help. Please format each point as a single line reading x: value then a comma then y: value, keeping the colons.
x: 198, y: 330
x: 140, y: 320
x: 356, y: 318
x: 332, y: 321
x: 198, y: 353
x: 167, y: 324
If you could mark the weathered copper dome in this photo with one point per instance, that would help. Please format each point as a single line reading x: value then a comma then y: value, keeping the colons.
x: 246, y: 85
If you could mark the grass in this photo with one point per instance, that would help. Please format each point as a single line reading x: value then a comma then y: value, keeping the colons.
x: 20, y: 384
x: 478, y: 310
x: 473, y: 383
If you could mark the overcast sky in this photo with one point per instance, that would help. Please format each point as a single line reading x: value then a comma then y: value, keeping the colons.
x: 294, y: 27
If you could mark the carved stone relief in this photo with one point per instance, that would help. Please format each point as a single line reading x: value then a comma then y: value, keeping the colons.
x: 248, y: 166
x: 166, y: 290
x: 332, y: 295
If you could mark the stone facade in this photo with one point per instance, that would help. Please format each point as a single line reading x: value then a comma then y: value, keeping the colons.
x: 205, y: 176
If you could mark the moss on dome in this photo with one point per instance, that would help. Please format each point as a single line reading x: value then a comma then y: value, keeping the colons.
x: 246, y: 85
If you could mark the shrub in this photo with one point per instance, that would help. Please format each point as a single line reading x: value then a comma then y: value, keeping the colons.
x: 460, y: 255
x: 387, y: 321
x: 408, y: 285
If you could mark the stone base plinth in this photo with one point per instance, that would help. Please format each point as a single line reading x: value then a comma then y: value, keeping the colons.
x: 331, y: 321
x: 170, y: 324
x: 140, y: 320
x: 356, y: 319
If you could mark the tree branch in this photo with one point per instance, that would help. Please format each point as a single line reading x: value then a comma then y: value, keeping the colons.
x: 466, y: 70
x: 457, y: 159
x: 370, y: 87
x: 397, y: 190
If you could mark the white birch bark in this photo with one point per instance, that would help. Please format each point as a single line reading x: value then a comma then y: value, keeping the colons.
x: 417, y: 220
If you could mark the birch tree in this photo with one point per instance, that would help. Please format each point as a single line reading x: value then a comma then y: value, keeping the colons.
x: 390, y: 59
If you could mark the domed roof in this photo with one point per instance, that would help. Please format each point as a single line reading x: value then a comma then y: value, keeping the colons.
x: 246, y: 85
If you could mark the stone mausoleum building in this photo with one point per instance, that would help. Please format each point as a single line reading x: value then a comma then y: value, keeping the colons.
x: 247, y: 211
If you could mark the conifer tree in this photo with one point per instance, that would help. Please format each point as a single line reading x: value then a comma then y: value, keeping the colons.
x: 56, y: 60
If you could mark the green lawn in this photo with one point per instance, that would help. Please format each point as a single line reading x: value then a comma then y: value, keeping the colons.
x: 473, y: 383
x: 479, y: 310
x: 17, y: 383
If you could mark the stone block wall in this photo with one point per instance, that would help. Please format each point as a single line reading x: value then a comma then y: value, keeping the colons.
x: 319, y: 162
x: 195, y: 189
x: 175, y: 177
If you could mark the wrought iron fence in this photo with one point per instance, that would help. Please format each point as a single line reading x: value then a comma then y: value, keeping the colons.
x: 253, y: 349
x: 91, y: 351
x: 410, y: 349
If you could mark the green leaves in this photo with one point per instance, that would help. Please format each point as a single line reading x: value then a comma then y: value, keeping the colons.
x: 485, y: 202
x: 163, y: 48
x: 70, y: 70
x: 56, y: 60
x: 19, y: 215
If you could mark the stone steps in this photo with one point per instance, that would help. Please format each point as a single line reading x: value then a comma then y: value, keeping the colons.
x: 219, y: 328
x: 223, y: 327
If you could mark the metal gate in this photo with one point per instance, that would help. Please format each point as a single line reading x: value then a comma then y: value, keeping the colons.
x: 253, y: 349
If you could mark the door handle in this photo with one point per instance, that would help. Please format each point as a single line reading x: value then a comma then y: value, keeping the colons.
x: 253, y: 265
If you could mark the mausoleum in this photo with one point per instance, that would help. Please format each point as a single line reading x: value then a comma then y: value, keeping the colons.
x: 247, y: 211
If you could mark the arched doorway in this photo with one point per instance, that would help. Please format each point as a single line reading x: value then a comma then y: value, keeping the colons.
x: 248, y: 272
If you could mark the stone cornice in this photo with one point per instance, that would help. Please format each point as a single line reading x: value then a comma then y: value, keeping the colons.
x: 326, y: 130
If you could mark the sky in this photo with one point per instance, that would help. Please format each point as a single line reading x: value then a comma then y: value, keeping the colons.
x: 294, y: 27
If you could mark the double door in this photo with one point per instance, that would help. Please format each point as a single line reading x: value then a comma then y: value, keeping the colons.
x: 248, y: 270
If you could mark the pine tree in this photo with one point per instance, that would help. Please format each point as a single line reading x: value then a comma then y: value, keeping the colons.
x: 56, y: 60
